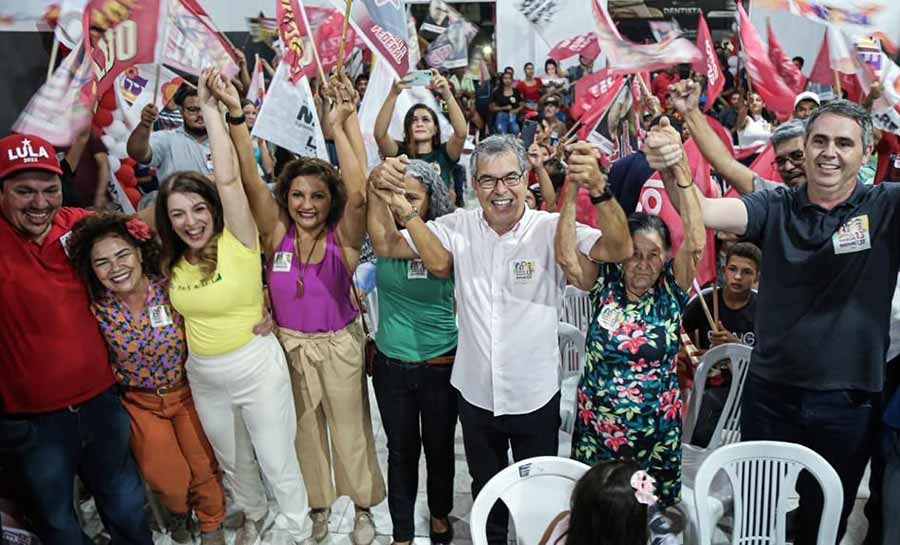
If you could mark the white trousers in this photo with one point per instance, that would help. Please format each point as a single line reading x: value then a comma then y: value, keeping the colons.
x: 245, y: 404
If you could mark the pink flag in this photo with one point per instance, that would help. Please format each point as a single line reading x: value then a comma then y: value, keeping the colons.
x: 709, y: 64
x: 583, y: 44
x: 382, y: 24
x: 193, y: 41
x: 328, y: 40
x: 778, y: 97
x: 786, y: 68
x: 627, y: 57
x: 654, y: 200
x: 598, y: 87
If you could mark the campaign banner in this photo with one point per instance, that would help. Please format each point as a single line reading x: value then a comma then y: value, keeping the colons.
x: 193, y: 42
x: 856, y: 17
x: 583, y: 44
x: 256, y: 93
x: 136, y: 86
x: 599, y: 87
x: 382, y: 24
x: 288, y: 117
x: 611, y: 124
x: 451, y: 49
x: 708, y: 64
x: 778, y: 97
x: 328, y: 41
x: 550, y: 18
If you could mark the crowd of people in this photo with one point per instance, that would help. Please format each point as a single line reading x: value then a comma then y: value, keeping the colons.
x: 215, y: 343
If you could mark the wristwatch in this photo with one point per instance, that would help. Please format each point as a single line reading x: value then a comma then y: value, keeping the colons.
x: 235, y: 120
x: 604, y: 196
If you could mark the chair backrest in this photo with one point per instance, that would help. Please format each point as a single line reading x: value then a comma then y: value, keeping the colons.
x: 576, y: 308
x: 763, y: 475
x: 571, y: 350
x: 535, y: 491
x: 728, y: 429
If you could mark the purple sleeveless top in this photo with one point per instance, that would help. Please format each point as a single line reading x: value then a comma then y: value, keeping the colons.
x: 325, y: 305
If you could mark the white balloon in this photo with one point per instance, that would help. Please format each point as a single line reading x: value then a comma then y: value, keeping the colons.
x: 117, y: 129
x: 119, y: 150
x: 114, y: 164
x: 118, y: 115
x: 109, y: 141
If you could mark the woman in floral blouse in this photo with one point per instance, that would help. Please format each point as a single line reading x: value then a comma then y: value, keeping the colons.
x: 629, y: 405
x: 118, y: 260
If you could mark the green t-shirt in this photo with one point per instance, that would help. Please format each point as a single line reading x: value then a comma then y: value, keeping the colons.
x: 415, y: 311
x: 439, y: 159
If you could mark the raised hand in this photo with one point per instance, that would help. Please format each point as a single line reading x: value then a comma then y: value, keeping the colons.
x: 390, y: 174
x: 343, y: 105
x: 536, y: 156
x: 225, y: 92
x: 148, y: 115
x: 440, y: 84
x: 662, y: 146
x: 685, y: 96
x: 584, y: 169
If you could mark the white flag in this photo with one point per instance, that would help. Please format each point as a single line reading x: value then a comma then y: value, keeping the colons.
x: 136, y: 86
x: 288, y: 117
x: 70, y: 23
x: 256, y: 93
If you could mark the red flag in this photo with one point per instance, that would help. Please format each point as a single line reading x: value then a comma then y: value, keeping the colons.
x: 654, y: 200
x: 598, y: 87
x: 764, y: 166
x: 778, y: 97
x: 328, y: 40
x: 292, y: 29
x: 382, y: 24
x: 833, y: 58
x: 788, y: 71
x: 583, y: 44
x: 822, y: 72
x: 709, y: 64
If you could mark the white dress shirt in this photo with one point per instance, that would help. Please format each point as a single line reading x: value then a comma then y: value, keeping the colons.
x: 508, y: 289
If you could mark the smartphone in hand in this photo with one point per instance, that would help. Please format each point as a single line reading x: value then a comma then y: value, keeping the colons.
x: 529, y: 128
x: 419, y: 78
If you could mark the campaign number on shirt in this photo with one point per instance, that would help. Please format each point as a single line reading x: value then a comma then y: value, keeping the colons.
x: 853, y: 236
x: 160, y: 316
x: 282, y: 261
x: 416, y: 270
x: 610, y: 317
x: 524, y: 271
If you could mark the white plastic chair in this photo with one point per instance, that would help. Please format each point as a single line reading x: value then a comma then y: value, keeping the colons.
x: 727, y: 431
x: 763, y: 474
x: 571, y: 351
x: 534, y: 490
x: 576, y: 308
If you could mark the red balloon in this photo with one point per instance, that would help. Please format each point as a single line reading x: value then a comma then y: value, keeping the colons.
x: 124, y: 172
x: 133, y: 195
x: 129, y: 161
x: 103, y: 118
x: 129, y: 182
x: 108, y: 101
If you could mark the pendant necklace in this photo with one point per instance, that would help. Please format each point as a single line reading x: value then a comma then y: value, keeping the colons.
x: 303, y: 266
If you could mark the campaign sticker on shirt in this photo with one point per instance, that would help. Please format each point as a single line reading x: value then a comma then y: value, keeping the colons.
x: 64, y: 240
x: 160, y: 316
x: 524, y: 271
x: 416, y: 270
x: 853, y: 236
x: 610, y: 317
x: 209, y: 162
x: 512, y: 100
x: 282, y: 261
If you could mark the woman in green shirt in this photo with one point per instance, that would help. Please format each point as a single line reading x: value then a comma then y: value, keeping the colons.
x: 416, y: 342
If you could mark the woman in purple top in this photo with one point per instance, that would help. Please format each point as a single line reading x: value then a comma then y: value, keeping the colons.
x: 118, y: 261
x: 312, y: 232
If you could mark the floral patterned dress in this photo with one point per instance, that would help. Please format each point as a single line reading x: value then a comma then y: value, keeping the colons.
x: 629, y: 403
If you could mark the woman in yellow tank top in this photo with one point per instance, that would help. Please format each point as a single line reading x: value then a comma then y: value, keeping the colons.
x: 240, y: 381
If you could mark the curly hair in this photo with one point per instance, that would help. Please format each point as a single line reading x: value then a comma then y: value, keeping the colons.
x: 438, y: 195
x: 94, y: 227
x: 173, y: 248
x: 323, y: 170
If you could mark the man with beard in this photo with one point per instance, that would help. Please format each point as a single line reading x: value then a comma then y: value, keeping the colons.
x: 787, y: 141
x: 184, y: 148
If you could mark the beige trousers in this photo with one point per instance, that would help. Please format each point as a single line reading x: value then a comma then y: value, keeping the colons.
x: 331, y: 397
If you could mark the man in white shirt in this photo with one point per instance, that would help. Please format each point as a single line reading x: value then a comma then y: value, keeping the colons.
x: 508, y: 288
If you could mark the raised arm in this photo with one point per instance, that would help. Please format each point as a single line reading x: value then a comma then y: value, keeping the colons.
x: 138, y: 146
x: 685, y: 97
x: 266, y: 212
x: 536, y: 157
x: 238, y: 218
x: 386, y: 144
x: 386, y: 238
x: 615, y: 245
x: 352, y: 227
x: 454, y: 112
x: 580, y: 271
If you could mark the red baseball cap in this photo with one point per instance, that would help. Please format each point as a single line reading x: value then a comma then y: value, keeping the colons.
x: 26, y: 152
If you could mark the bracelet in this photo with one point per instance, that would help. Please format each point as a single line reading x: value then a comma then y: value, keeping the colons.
x: 235, y: 120
x: 685, y: 186
x: 409, y: 217
x: 602, y: 197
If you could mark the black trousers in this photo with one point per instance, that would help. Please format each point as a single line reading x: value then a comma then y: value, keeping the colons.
x: 882, y: 496
x: 487, y: 438
x: 840, y: 425
x: 407, y: 394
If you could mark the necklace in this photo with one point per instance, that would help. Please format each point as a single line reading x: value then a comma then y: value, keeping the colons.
x: 304, y: 266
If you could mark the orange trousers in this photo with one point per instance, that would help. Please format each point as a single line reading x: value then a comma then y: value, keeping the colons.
x: 174, y: 455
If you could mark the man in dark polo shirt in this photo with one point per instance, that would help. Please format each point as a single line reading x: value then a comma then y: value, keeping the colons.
x: 831, y: 253
x: 59, y: 412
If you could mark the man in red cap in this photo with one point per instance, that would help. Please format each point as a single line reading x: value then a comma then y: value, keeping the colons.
x: 59, y: 412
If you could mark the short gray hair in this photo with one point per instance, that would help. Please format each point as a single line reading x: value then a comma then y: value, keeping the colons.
x: 495, y: 145
x: 438, y: 196
x: 850, y: 110
x: 795, y: 128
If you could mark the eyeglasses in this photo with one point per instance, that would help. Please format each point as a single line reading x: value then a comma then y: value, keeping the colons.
x: 795, y: 157
x: 193, y: 111
x: 490, y: 182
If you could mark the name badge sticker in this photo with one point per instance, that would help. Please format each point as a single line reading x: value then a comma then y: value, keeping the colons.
x: 209, y: 162
x: 852, y: 236
x: 416, y: 270
x: 524, y: 271
x: 282, y: 261
x: 610, y: 317
x: 64, y: 241
x: 160, y: 316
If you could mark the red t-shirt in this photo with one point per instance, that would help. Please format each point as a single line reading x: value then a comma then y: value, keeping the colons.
x: 53, y: 354
x: 888, y: 146
x: 585, y: 213
x: 660, y: 85
x: 530, y: 93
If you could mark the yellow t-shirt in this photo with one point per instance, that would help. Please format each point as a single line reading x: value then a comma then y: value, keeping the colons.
x: 220, y: 312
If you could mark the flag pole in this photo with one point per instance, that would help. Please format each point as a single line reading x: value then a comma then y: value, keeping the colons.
x: 837, y: 85
x: 156, y: 85
x: 312, y: 41
x: 54, y: 51
x: 340, y: 61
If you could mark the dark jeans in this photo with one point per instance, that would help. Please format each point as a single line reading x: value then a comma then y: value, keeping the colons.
x: 890, y: 497
x: 840, y: 425
x: 885, y: 459
x: 408, y: 393
x: 487, y: 438
x: 91, y: 440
